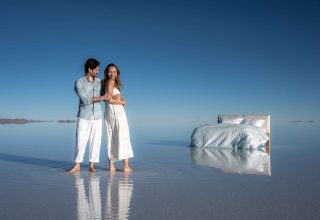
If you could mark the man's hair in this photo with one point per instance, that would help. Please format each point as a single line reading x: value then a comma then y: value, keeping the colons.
x: 90, y: 64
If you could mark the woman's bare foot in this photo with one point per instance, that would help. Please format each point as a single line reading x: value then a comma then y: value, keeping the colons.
x: 91, y: 168
x: 112, y: 167
x: 127, y: 169
x: 75, y: 168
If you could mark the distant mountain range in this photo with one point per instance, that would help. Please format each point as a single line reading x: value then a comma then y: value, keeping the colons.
x: 296, y: 121
x: 25, y: 121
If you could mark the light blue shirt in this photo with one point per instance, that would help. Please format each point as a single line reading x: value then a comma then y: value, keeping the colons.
x: 86, y: 90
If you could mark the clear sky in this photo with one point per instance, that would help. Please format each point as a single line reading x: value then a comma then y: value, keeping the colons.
x: 181, y: 61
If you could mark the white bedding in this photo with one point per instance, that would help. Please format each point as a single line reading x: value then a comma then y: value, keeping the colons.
x: 229, y: 136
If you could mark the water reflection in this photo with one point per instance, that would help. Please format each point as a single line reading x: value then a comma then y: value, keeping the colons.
x: 233, y: 161
x: 118, y: 197
x: 119, y: 194
x: 88, y: 207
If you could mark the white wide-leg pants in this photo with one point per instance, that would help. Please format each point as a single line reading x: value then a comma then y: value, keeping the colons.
x: 88, y: 130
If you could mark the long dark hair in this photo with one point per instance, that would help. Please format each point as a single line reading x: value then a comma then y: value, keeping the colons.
x: 117, y: 80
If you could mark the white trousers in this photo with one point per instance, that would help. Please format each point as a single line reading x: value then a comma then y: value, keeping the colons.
x: 88, y: 130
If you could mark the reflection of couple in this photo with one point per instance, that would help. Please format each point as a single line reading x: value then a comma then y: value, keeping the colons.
x: 89, y: 126
x: 118, y: 197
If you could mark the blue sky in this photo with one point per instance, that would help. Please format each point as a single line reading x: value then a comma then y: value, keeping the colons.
x: 182, y: 62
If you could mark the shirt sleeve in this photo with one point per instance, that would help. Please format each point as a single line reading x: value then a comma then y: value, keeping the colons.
x: 85, y: 100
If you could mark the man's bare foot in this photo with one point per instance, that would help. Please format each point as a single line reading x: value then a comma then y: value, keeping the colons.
x: 91, y: 168
x: 75, y: 168
x: 127, y: 169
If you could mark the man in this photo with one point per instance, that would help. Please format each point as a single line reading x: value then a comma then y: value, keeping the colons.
x: 89, y: 125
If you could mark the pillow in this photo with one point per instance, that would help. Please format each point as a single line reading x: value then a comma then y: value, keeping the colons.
x: 226, y: 118
x: 235, y: 121
x: 266, y: 118
x: 255, y: 122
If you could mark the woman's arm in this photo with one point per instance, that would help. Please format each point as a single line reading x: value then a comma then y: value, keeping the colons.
x: 111, y: 100
x: 107, y: 96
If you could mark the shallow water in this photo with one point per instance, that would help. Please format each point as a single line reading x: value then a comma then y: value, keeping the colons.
x: 171, y: 180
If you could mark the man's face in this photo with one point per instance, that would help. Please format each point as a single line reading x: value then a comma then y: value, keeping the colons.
x: 94, y: 72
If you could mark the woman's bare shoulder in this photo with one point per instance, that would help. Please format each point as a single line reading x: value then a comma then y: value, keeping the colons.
x: 111, y: 81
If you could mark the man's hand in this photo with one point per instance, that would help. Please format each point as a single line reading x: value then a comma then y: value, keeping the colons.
x: 96, y: 99
x: 117, y: 97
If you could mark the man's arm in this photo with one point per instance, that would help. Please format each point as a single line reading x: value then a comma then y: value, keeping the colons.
x: 85, y: 100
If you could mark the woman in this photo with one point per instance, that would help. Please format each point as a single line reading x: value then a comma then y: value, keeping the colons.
x: 118, y: 138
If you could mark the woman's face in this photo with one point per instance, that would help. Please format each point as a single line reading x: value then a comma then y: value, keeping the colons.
x: 112, y: 72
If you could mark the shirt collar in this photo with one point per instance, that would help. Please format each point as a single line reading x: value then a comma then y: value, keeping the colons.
x: 86, y: 79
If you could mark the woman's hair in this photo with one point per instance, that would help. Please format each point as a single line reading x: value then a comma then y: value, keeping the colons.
x: 117, y: 80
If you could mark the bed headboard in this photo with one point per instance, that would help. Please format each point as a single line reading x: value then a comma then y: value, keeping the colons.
x: 266, y: 118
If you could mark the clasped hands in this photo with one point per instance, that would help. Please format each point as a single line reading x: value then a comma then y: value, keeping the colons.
x: 106, y: 98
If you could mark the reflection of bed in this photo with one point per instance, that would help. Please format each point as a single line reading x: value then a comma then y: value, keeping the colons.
x: 233, y: 161
x: 234, y: 131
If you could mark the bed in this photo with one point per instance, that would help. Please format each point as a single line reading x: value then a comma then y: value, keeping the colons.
x: 234, y: 131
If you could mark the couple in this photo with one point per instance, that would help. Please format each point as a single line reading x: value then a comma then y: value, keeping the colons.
x: 91, y: 90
